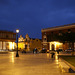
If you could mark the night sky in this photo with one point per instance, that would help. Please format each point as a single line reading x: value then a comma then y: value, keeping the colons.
x: 30, y: 16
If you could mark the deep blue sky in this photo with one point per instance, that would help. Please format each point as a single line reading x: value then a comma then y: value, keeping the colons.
x: 30, y: 16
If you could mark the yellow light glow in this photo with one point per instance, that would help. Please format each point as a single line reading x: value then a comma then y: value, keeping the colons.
x: 21, y: 45
x: 48, y: 55
x: 56, y: 45
x: 12, y: 57
x: 11, y: 45
x: 56, y: 58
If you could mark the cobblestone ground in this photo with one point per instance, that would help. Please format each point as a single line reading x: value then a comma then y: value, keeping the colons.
x: 29, y: 64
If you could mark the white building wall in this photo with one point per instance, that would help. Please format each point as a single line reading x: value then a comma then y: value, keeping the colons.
x: 4, y: 45
x: 0, y: 45
x: 11, y: 45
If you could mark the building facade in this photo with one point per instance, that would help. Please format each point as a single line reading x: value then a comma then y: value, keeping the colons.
x: 29, y: 43
x: 49, y: 37
x: 7, y: 40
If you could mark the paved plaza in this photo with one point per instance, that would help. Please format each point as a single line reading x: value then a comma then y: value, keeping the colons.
x: 29, y: 64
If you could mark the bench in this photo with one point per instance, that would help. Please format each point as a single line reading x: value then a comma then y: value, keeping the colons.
x: 64, y: 67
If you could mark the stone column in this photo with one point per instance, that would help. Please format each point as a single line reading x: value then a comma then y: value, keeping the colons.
x: 2, y: 45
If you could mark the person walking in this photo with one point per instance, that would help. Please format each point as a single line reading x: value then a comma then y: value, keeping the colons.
x: 58, y: 51
x: 35, y: 50
x: 53, y: 54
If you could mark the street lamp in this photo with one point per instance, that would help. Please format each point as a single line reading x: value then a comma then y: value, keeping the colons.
x: 17, y: 31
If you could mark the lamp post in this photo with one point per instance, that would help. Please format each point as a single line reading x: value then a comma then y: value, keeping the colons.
x: 17, y: 31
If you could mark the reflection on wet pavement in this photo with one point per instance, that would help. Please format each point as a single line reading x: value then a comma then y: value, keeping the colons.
x: 29, y: 64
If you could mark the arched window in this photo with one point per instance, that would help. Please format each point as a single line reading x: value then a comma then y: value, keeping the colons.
x: 69, y: 30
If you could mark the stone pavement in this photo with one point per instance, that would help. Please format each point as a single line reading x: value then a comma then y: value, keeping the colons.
x: 29, y: 64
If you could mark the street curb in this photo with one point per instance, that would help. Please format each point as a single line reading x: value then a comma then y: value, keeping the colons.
x: 3, y: 52
x: 71, y: 66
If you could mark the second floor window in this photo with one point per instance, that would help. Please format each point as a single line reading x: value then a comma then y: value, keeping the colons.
x: 69, y: 31
x: 60, y: 32
x: 44, y: 38
x: 6, y: 36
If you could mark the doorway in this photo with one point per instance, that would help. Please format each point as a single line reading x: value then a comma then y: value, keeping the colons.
x: 25, y: 46
x: 52, y: 46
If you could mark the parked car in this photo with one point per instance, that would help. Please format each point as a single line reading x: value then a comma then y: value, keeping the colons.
x: 23, y: 51
x: 43, y: 51
x: 60, y: 50
x: 68, y: 50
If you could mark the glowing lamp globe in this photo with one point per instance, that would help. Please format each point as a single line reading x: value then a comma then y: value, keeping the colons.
x: 17, y: 30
